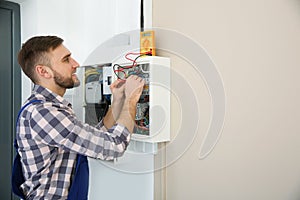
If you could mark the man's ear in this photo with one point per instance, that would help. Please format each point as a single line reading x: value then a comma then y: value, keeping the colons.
x: 44, y: 71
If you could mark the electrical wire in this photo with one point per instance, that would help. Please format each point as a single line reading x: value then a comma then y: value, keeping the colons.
x: 134, y: 63
x: 141, y: 124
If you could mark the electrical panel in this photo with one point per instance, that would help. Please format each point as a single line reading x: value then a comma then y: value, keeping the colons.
x: 95, y: 103
x: 152, y: 120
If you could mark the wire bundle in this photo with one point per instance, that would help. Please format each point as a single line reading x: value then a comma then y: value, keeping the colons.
x: 120, y: 69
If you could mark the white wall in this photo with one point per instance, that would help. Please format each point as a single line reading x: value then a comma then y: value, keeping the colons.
x: 255, y: 46
x: 85, y: 25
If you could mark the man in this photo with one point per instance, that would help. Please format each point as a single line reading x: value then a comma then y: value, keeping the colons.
x: 49, y: 135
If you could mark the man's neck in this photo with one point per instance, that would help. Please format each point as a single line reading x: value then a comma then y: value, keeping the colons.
x: 55, y: 89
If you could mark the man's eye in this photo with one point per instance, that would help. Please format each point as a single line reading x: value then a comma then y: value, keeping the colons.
x: 67, y: 59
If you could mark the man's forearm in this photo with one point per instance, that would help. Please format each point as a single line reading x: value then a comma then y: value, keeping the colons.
x: 127, y: 115
x: 113, y: 113
x: 132, y: 91
x: 123, y: 114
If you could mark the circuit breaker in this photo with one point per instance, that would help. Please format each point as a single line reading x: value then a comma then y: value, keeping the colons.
x: 152, y: 120
x: 95, y: 103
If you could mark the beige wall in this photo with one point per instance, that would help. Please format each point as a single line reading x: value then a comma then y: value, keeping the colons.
x: 255, y: 45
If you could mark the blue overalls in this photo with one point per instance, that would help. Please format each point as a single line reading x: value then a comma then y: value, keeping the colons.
x: 79, y: 186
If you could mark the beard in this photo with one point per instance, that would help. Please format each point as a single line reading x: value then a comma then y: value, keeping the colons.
x: 66, y: 82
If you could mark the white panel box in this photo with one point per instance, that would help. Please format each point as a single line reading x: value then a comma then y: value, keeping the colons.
x: 153, y: 109
x: 107, y: 78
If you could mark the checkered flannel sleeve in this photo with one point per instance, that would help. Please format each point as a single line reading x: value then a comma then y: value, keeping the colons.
x: 56, y: 125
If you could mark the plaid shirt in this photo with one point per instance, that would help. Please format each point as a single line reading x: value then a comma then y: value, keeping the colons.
x: 49, y: 137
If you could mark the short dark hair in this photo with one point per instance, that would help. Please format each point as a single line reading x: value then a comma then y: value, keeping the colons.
x: 35, y: 52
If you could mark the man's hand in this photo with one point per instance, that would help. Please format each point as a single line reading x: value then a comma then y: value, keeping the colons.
x: 133, y: 88
x: 125, y: 97
x: 117, y: 89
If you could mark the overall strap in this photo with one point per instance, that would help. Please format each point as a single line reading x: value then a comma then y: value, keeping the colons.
x: 17, y: 178
x: 80, y: 183
x: 21, y: 110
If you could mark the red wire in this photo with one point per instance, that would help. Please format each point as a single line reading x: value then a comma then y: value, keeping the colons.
x: 135, y: 53
x: 134, y: 61
x: 131, y: 53
x: 121, y: 70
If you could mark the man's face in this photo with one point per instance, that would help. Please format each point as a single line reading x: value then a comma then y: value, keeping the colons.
x: 64, y: 68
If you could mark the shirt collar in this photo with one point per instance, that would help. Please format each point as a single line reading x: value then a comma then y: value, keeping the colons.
x: 49, y: 95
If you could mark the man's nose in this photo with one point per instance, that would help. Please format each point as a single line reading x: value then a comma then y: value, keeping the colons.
x: 74, y: 63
